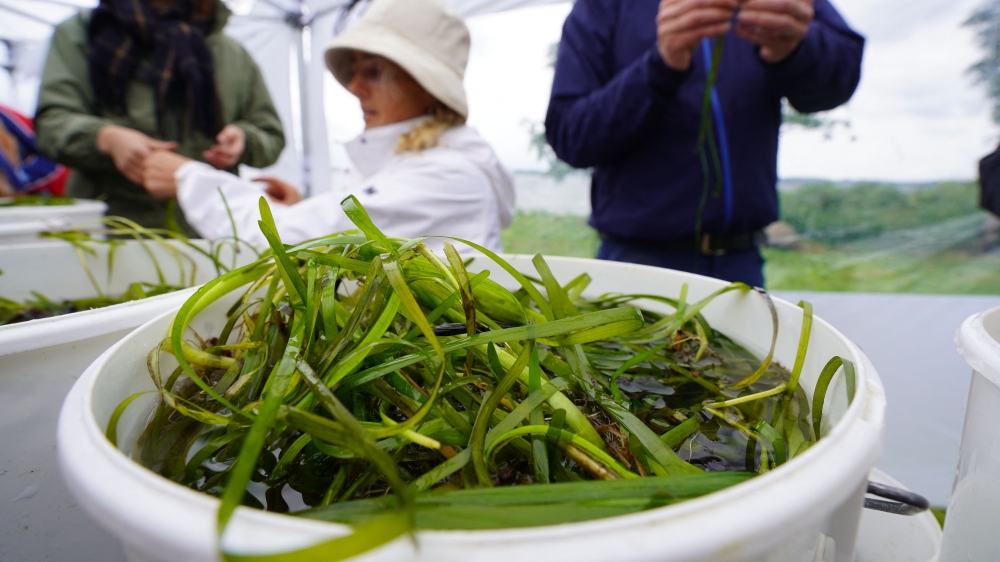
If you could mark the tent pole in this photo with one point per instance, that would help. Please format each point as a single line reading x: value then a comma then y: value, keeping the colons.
x: 304, y: 35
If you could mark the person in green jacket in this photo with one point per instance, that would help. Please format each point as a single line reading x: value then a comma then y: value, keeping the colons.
x: 130, y: 77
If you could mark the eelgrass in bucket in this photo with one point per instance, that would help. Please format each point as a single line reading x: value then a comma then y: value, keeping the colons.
x: 112, y: 232
x: 35, y: 200
x: 368, y: 381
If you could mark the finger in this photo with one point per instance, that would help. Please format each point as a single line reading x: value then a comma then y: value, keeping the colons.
x: 795, y: 9
x: 679, y: 7
x: 133, y: 173
x: 757, y: 35
x: 781, y: 25
x: 226, y: 140
x: 275, y: 192
x: 694, y: 18
x: 694, y: 21
x: 160, y: 145
x: 689, y: 39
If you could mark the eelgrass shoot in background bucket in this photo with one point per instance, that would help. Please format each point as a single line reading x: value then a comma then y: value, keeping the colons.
x: 365, y: 380
x: 112, y: 232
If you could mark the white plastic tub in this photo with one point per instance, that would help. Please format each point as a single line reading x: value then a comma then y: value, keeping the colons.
x: 39, y: 361
x: 807, y: 510
x: 970, y: 529
x: 20, y: 225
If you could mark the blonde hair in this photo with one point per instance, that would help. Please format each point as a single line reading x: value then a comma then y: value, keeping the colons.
x: 427, y: 134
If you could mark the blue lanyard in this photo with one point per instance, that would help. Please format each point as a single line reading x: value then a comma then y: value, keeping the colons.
x: 720, y: 124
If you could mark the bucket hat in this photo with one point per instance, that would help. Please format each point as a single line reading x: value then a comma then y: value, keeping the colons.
x: 423, y: 37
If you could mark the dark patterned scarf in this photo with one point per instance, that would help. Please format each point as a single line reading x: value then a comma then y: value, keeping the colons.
x: 122, y: 32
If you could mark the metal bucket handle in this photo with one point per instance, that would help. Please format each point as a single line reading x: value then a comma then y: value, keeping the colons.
x: 904, y: 502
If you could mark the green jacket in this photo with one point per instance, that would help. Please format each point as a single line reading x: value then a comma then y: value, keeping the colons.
x: 67, y: 119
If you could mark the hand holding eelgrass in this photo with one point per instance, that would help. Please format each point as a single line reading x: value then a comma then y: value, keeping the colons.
x: 776, y: 26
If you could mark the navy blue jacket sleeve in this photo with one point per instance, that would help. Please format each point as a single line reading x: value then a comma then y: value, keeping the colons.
x: 596, y: 111
x: 825, y: 69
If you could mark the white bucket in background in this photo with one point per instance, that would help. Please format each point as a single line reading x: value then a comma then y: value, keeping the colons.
x: 20, y: 225
x: 970, y: 528
x: 805, y: 511
x: 40, y: 360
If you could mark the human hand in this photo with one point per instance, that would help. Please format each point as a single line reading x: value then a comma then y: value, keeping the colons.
x: 158, y: 173
x: 129, y: 149
x: 279, y: 191
x: 232, y: 141
x: 682, y: 24
x: 777, y: 26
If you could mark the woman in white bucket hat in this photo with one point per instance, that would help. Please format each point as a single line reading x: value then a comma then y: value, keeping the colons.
x: 419, y: 169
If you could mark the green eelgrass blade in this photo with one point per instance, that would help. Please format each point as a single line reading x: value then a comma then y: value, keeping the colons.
x: 681, y: 308
x: 312, y: 303
x: 358, y: 215
x: 539, y: 452
x: 680, y: 433
x: 364, y: 347
x: 492, y: 508
x: 774, y: 438
x: 823, y: 383
x: 632, y: 362
x: 374, y: 278
x: 366, y: 536
x: 350, y: 264
x: 800, y: 356
x: 328, y: 308
x: 293, y: 281
x: 520, y: 333
x: 562, y: 434
x: 360, y: 436
x: 664, y: 455
x: 770, y: 354
x: 604, y: 332
x: 561, y: 305
x: 288, y: 455
x: 577, y: 286
x: 398, y: 283
x: 207, y: 294
x: 505, y: 380
x: 529, y: 288
x: 246, y: 462
x: 210, y: 449
x: 112, y: 431
x: 232, y: 222
x: 456, y: 463
x: 468, y: 304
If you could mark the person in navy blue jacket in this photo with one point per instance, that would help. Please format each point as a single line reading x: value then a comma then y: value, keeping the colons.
x: 627, y: 102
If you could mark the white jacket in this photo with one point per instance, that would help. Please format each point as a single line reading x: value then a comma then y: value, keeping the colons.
x: 458, y: 188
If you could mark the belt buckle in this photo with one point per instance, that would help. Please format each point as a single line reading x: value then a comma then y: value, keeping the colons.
x: 706, y: 246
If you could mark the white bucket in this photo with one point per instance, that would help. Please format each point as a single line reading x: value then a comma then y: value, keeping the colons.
x: 39, y: 361
x: 20, y: 225
x: 807, y: 510
x: 970, y: 529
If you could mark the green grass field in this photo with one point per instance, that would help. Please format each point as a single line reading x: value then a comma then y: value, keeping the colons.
x: 818, y: 269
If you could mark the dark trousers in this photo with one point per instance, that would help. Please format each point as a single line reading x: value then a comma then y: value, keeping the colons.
x: 747, y: 266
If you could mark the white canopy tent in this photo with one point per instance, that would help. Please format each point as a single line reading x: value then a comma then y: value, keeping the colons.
x: 286, y: 38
